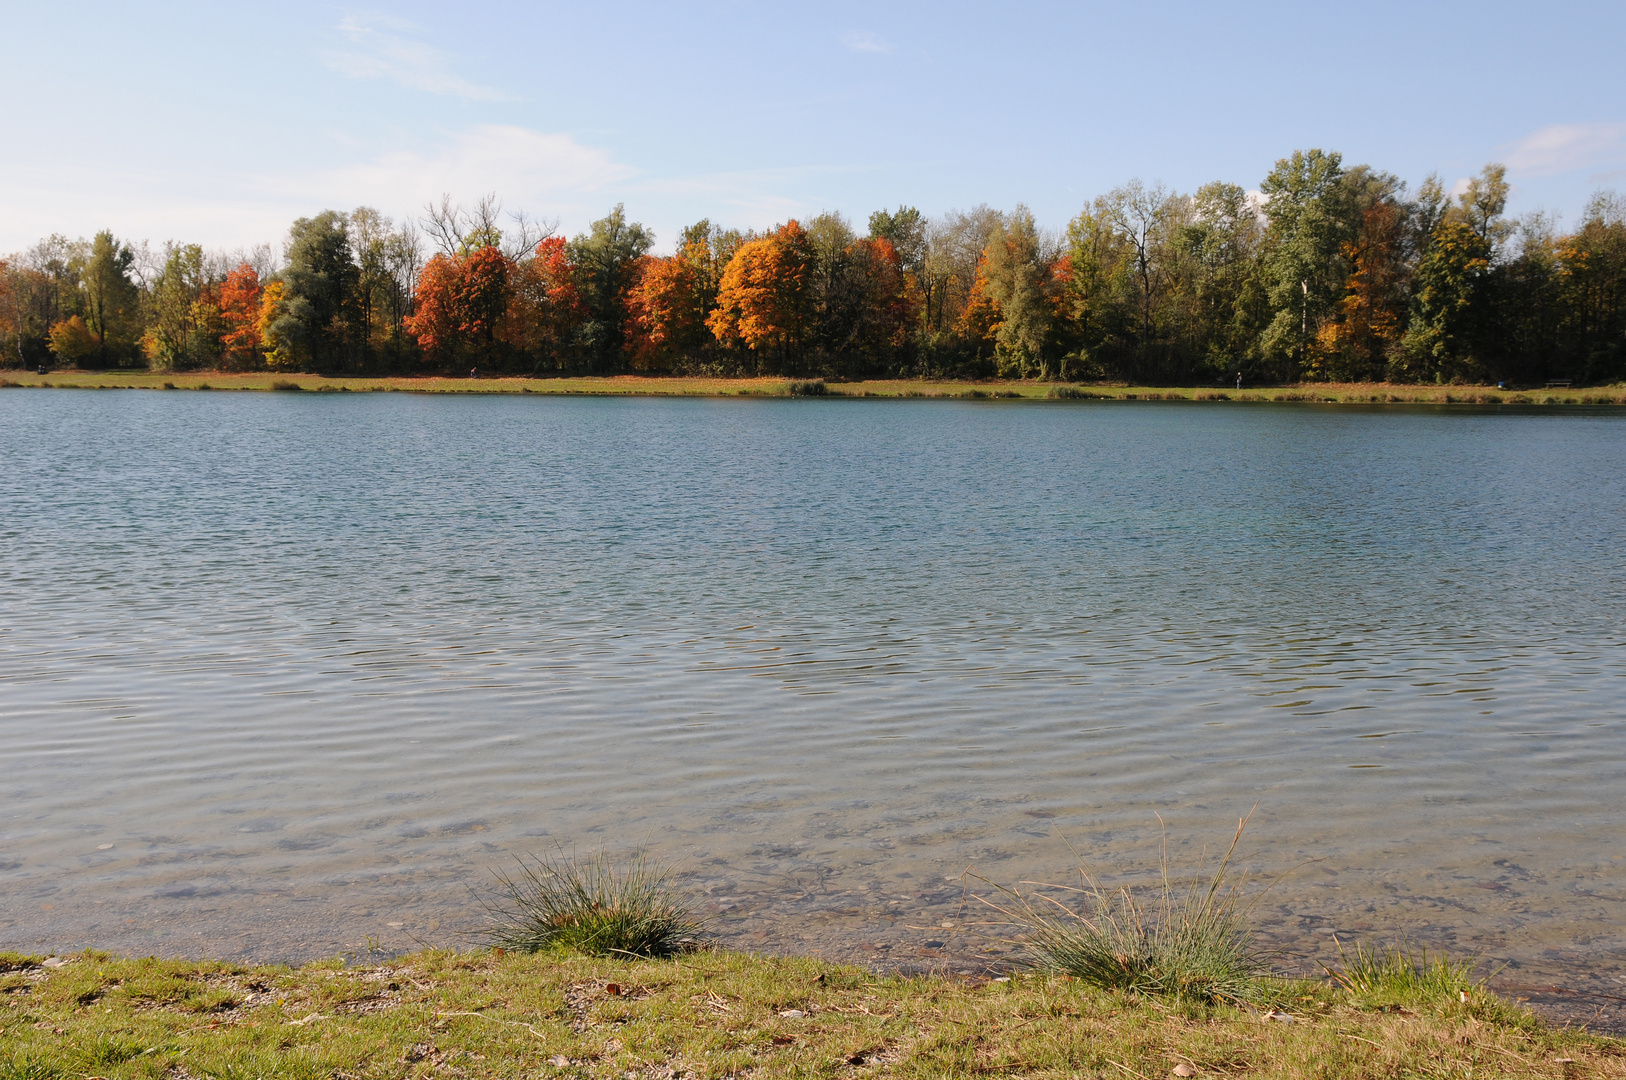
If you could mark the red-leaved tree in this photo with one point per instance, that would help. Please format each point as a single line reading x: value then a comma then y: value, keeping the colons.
x: 240, y: 296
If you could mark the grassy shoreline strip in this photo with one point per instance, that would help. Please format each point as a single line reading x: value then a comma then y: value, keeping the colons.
x: 715, y: 1014
x: 687, y: 386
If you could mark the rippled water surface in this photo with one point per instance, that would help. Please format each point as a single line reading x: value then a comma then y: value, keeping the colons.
x: 279, y: 671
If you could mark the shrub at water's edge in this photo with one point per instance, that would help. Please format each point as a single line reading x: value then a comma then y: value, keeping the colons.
x: 1190, y: 942
x: 592, y: 906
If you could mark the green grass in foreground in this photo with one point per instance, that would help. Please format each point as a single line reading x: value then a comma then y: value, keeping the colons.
x: 720, y: 1014
x: 694, y: 386
x: 1387, y: 976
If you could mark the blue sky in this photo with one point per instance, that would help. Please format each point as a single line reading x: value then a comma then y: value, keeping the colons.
x: 220, y: 123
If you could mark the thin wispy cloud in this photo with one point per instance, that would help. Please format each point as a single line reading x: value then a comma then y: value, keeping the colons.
x: 547, y: 174
x: 379, y: 48
x: 862, y: 41
x: 534, y: 169
x: 1562, y: 148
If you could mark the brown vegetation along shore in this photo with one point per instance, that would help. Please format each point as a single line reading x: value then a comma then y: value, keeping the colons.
x: 694, y: 386
x: 714, y: 1014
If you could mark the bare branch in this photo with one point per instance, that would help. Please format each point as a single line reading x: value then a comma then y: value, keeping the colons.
x: 445, y: 225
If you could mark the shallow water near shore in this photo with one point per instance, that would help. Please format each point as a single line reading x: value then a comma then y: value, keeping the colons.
x: 285, y: 675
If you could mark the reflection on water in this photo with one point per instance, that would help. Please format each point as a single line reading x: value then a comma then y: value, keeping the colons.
x: 278, y: 672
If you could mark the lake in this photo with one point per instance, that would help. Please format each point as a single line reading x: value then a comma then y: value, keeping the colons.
x: 283, y: 675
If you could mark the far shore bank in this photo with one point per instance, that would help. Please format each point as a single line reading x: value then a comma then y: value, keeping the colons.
x: 696, y: 386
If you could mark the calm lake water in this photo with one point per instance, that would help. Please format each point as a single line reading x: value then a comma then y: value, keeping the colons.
x: 279, y: 672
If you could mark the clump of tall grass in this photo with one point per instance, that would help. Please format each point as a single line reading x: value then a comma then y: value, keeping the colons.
x: 285, y: 384
x: 807, y: 388
x: 592, y: 905
x: 1188, y: 940
x: 1401, y: 974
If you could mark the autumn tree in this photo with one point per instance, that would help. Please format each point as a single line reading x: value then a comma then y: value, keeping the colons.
x: 10, y: 316
x: 665, y: 310
x: 240, y: 299
x: 42, y: 289
x: 1592, y: 291
x: 1017, y: 273
x: 545, y: 310
x: 1362, y: 334
x: 907, y: 230
x: 280, y: 354
x: 460, y: 304
x: 72, y: 341
x: 955, y: 247
x: 762, y: 301
x: 881, y: 328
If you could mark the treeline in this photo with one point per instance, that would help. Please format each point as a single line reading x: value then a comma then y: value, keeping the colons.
x: 1326, y: 273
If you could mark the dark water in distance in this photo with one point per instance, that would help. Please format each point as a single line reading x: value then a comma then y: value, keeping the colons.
x: 278, y: 671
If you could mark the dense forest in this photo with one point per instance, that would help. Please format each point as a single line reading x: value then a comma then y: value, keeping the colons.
x: 1326, y: 272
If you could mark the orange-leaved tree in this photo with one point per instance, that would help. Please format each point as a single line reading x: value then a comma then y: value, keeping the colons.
x: 459, y: 303
x: 1369, y: 319
x: 980, y: 318
x: 665, y: 310
x: 71, y: 340
x: 544, y: 307
x: 434, y: 306
x: 883, y: 318
x: 761, y: 301
x: 240, y: 297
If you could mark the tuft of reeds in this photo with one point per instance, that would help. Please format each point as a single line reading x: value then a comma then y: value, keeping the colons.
x: 592, y: 905
x: 1188, y: 941
x: 1381, y: 976
x: 807, y: 388
x: 285, y: 384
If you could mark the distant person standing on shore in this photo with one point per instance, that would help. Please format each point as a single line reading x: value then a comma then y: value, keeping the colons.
x: 1239, y: 380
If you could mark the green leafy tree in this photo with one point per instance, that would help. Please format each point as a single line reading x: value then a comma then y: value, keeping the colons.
x: 183, y: 316
x: 1227, y: 309
x: 1017, y: 273
x: 1097, y: 294
x: 1592, y: 284
x: 1452, y: 287
x: 112, y: 299
x: 1311, y: 217
x: 1437, y: 343
x: 318, y: 318
x: 604, y: 259
x: 948, y: 284
x: 906, y: 230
